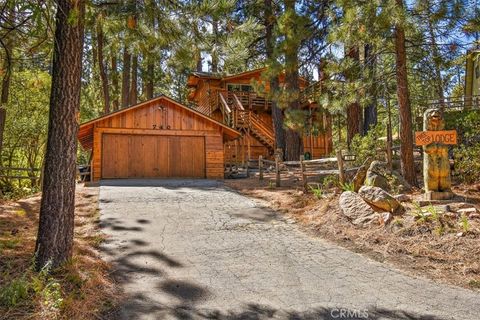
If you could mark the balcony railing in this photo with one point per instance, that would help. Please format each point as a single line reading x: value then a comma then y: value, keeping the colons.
x: 455, y: 103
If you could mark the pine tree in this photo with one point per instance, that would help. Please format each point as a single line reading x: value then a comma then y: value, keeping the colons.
x: 101, y: 63
x: 7, y: 44
x: 55, y: 233
x: 291, y: 27
x: 277, y: 114
x: 403, y: 96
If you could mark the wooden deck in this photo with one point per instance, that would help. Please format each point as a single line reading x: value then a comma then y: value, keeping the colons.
x: 250, y: 113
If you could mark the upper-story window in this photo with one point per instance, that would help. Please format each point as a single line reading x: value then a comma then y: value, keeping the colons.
x: 239, y: 87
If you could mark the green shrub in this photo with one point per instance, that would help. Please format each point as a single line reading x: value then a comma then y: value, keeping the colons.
x: 9, y: 244
x: 467, y: 164
x: 467, y: 124
x: 14, y: 292
x: 366, y: 147
x: 467, y: 153
x: 347, y: 186
x: 12, y: 191
x: 464, y: 222
x: 29, y: 284
x: 317, y: 191
x: 329, y: 182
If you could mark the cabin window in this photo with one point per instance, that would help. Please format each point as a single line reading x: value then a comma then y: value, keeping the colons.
x: 239, y: 87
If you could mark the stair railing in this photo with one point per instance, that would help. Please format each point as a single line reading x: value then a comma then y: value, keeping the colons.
x: 258, y: 126
x: 226, y: 111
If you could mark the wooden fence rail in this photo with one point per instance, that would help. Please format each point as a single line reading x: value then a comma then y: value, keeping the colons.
x: 6, y: 172
x: 307, y: 168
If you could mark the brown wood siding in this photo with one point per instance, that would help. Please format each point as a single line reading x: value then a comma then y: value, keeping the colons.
x: 212, y: 151
x: 319, y: 146
x: 152, y: 156
x: 147, y: 129
x: 158, y: 115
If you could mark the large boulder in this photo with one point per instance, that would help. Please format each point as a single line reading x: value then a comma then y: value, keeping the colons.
x: 359, y: 178
x: 398, y: 183
x: 377, y: 175
x: 361, y: 174
x: 356, y: 210
x: 379, y: 199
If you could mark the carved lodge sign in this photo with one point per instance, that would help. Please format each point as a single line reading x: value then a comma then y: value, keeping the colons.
x: 423, y: 138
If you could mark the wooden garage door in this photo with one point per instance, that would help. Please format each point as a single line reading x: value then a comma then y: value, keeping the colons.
x: 149, y: 156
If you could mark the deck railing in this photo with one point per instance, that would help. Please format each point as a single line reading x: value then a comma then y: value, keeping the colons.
x: 249, y: 100
x: 311, y: 93
x: 455, y: 103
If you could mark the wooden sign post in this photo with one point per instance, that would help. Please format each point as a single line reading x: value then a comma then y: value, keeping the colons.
x: 436, y: 166
x: 424, y: 138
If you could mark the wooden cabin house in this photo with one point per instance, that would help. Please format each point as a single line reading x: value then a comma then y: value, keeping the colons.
x: 158, y: 138
x: 234, y: 101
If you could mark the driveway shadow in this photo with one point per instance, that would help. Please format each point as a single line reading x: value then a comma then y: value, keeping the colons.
x: 258, y: 214
x: 141, y: 306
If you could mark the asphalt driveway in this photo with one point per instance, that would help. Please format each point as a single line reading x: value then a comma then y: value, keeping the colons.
x: 186, y: 249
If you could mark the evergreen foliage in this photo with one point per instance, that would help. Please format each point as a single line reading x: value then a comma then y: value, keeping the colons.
x: 138, y: 49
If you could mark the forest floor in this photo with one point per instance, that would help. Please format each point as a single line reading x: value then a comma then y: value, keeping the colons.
x: 446, y: 252
x: 82, y: 289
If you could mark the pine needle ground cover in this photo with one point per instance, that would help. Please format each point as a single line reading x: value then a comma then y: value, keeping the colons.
x: 81, y: 289
x: 433, y: 246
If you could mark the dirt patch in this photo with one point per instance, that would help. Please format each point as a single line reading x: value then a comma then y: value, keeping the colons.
x: 443, y: 248
x: 82, y: 289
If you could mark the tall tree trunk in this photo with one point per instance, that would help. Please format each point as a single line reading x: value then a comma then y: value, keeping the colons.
x: 126, y: 77
x: 353, y: 121
x: 370, y: 112
x: 277, y: 114
x: 101, y: 67
x: 214, y: 52
x: 354, y: 111
x: 115, y: 85
x: 55, y: 232
x: 7, y: 75
x: 7, y: 69
x: 150, y: 80
x: 134, y: 86
x: 150, y: 58
x: 198, y: 57
x: 406, y: 134
x: 293, y: 138
x: 436, y: 62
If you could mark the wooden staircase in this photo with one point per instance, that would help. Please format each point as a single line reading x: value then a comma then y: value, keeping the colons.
x: 235, y: 115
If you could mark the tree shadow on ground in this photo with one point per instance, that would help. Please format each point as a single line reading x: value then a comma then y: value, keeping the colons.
x: 139, y: 306
x: 126, y: 267
x: 186, y: 291
x: 259, y: 214
x: 117, y: 225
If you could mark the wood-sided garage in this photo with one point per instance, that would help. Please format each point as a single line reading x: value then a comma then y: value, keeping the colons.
x: 159, y: 138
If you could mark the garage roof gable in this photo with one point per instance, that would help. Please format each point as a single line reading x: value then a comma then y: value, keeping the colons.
x: 85, y: 134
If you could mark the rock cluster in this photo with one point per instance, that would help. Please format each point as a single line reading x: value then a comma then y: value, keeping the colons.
x: 355, y: 209
x: 371, y: 200
x: 379, y: 199
x: 378, y: 175
x: 369, y: 204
